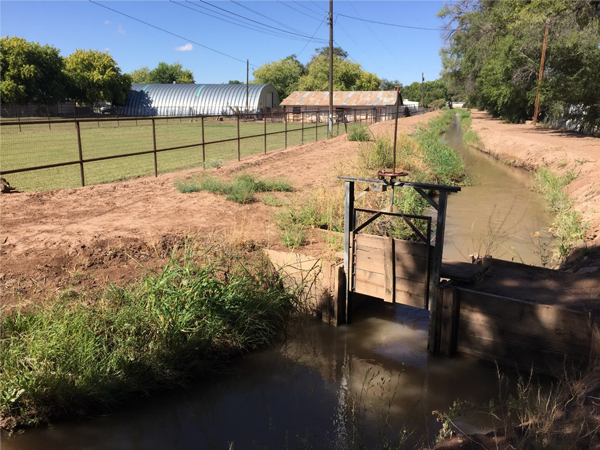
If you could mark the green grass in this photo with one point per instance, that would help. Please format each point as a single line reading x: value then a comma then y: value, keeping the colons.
x: 567, y: 227
x: 360, y: 134
x: 40, y: 144
x: 83, y: 355
x: 241, y: 189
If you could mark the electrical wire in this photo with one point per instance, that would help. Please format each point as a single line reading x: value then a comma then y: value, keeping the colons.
x: 376, y: 37
x: 316, y: 31
x: 297, y: 10
x: 169, y: 32
x: 238, y: 23
x: 390, y: 24
x: 241, y: 5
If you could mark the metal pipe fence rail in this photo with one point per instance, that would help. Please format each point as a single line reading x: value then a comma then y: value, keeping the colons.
x: 65, y: 153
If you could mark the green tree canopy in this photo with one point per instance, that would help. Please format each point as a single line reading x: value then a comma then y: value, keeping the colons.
x: 347, y: 75
x: 140, y: 75
x: 235, y: 82
x: 170, y: 73
x: 30, y: 73
x: 388, y: 85
x: 283, y: 75
x: 493, y: 55
x: 94, y: 76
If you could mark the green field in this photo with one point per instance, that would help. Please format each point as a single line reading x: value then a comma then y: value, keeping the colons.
x: 31, y: 145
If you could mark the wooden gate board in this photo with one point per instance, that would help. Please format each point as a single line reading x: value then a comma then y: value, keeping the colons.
x: 391, y: 269
x: 523, y: 334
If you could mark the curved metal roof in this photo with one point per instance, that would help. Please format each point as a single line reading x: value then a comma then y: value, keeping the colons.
x: 193, y: 99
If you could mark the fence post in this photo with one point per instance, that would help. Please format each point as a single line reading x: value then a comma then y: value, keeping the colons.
x: 302, y: 121
x: 285, y: 128
x: 238, y: 136
x: 154, y: 143
x: 48, y: 116
x: 80, y: 152
x: 265, y: 127
x: 316, y: 126
x: 203, y: 143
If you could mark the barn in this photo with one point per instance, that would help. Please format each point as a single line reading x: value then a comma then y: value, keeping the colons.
x: 380, y: 105
x: 198, y: 99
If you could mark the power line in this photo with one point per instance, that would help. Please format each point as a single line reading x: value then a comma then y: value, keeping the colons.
x: 376, y: 37
x: 238, y: 22
x: 316, y: 31
x: 262, y: 15
x: 359, y: 46
x: 297, y: 10
x: 391, y: 24
x: 168, y: 32
x: 255, y: 21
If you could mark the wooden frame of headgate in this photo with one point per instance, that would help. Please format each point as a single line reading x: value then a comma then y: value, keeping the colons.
x: 434, y: 262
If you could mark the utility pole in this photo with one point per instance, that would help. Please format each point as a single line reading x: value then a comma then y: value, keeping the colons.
x: 247, y: 80
x: 541, y: 75
x: 422, y: 89
x: 330, y: 68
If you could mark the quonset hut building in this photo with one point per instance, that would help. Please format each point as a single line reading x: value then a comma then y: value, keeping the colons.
x: 198, y: 99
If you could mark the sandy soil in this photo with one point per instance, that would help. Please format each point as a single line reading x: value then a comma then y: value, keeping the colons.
x: 87, y: 237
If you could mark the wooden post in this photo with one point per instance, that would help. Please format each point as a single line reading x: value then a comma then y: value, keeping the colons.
x: 348, y: 232
x: 154, y: 142
x: 540, y: 76
x: 80, y: 153
x: 595, y: 342
x: 389, y: 268
x: 316, y: 126
x: 449, y: 305
x: 436, y: 265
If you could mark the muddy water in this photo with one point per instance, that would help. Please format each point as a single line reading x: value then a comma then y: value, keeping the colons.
x: 498, y: 214
x: 309, y: 392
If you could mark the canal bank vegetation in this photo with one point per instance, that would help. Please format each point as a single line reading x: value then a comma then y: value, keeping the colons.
x: 568, y: 227
x: 81, y: 354
x: 424, y: 155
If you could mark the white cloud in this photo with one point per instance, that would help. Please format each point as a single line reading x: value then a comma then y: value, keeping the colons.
x: 121, y: 30
x: 185, y: 48
x: 106, y: 49
x: 107, y: 22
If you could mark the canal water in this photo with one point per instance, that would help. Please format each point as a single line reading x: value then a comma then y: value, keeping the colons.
x: 348, y: 387
x: 325, y: 388
x: 498, y: 214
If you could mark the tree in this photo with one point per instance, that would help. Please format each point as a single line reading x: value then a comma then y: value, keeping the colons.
x: 388, y: 85
x: 283, y: 75
x: 493, y: 54
x: 235, y: 82
x: 347, y: 75
x: 170, y: 73
x: 434, y: 92
x: 94, y: 76
x: 30, y: 73
x: 140, y: 75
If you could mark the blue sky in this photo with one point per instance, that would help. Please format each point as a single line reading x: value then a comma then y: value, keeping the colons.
x: 391, y: 52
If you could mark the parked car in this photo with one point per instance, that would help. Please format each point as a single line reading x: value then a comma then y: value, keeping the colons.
x: 106, y: 109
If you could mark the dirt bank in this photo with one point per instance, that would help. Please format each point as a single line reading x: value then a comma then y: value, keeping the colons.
x: 523, y: 145
x: 87, y: 237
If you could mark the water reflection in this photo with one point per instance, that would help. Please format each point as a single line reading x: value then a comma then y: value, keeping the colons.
x: 498, y: 214
x: 324, y: 388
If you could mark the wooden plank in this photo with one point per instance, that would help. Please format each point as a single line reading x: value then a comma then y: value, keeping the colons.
x: 544, y: 321
x: 509, y: 338
x: 433, y: 344
x: 448, y: 332
x: 523, y: 357
x: 373, y: 284
x: 388, y: 271
x: 379, y: 242
x: 405, y: 266
x: 461, y: 271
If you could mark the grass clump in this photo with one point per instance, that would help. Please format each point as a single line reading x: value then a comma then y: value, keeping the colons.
x: 240, y: 190
x: 360, y: 134
x: 79, y: 357
x: 567, y: 227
